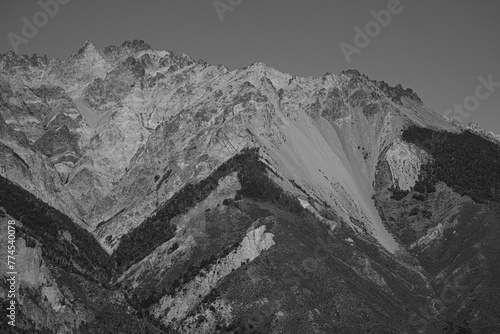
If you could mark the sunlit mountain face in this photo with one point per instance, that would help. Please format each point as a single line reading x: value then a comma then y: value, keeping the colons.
x: 154, y: 193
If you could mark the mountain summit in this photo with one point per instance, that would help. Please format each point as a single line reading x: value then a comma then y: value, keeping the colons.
x: 156, y: 193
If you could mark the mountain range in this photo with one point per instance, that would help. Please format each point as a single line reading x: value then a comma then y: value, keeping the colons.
x: 155, y: 193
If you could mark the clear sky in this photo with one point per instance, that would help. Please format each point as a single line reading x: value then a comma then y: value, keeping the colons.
x: 437, y: 48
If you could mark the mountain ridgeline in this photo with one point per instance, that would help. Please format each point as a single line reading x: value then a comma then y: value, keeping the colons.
x: 156, y: 230
x: 155, y: 193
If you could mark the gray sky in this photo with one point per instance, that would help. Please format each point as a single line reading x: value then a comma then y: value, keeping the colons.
x: 437, y: 48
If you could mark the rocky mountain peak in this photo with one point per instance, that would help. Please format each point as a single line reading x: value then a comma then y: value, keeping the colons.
x: 136, y: 45
x: 11, y: 60
x: 87, y: 50
x: 117, y: 54
x: 395, y: 93
x: 352, y: 73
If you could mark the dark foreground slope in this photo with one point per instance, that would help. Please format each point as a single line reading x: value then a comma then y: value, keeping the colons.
x: 63, y: 271
x: 311, y: 279
x: 450, y: 222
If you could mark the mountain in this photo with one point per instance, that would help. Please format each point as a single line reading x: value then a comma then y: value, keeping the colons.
x: 155, y: 193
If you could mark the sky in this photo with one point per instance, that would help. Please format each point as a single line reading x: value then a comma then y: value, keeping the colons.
x: 447, y: 51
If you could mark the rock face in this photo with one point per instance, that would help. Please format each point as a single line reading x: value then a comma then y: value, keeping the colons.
x: 255, y: 242
x: 132, y: 143
x: 404, y: 163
